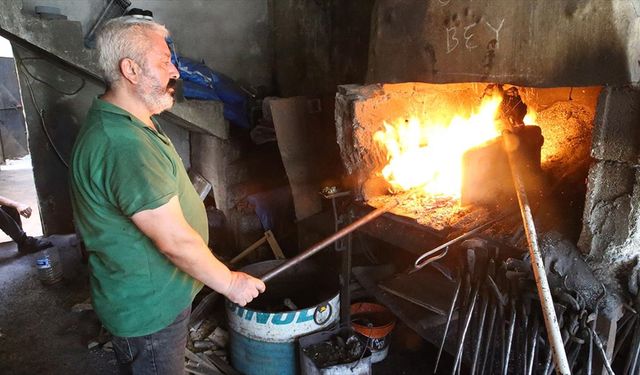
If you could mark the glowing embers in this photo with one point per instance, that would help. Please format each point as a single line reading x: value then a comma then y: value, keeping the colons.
x: 428, y: 155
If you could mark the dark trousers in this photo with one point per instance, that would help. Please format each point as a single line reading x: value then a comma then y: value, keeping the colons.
x: 160, y: 353
x: 11, y: 224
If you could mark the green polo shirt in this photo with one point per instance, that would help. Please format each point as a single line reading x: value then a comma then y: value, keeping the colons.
x: 120, y: 167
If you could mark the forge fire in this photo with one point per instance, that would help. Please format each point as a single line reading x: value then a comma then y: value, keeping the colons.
x: 412, y: 139
x: 426, y: 154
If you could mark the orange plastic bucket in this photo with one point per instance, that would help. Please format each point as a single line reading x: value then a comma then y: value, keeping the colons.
x: 374, y: 322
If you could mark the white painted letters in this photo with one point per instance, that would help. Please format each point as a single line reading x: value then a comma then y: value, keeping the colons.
x: 451, y: 37
x: 468, y: 36
x: 497, y: 31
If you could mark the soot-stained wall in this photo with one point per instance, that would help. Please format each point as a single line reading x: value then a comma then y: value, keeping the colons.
x: 320, y: 44
x: 532, y: 43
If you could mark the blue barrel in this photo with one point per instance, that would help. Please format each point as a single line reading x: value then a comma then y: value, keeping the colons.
x: 263, y: 334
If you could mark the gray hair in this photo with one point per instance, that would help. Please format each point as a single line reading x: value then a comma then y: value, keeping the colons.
x: 124, y: 37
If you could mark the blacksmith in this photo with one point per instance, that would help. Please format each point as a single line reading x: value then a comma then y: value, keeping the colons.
x: 142, y: 222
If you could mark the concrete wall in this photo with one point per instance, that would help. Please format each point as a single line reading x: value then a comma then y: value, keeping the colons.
x: 230, y: 36
x: 529, y: 43
x: 13, y: 132
x: 320, y: 45
x: 63, y: 112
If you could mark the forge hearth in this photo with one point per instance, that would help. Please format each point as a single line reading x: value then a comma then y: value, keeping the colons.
x: 565, y: 117
x: 589, y: 165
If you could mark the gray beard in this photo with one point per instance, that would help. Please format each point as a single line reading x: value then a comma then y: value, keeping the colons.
x: 155, y: 96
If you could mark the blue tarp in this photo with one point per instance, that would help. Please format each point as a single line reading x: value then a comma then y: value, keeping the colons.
x: 200, y: 82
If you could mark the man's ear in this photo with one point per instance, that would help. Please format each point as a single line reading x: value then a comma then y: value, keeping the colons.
x: 130, y: 70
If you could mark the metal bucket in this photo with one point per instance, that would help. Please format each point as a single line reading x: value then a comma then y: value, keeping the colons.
x: 263, y: 334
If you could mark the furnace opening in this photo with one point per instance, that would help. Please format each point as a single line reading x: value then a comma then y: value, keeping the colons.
x: 440, y: 146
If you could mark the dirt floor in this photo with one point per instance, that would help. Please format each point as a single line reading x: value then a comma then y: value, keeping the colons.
x: 39, y: 334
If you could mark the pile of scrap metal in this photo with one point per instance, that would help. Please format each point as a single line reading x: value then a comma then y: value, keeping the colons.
x: 206, y: 352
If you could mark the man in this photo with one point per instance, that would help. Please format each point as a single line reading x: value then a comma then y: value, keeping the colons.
x: 11, y: 224
x: 141, y: 220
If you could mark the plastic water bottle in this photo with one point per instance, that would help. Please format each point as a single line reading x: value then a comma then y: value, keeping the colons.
x: 49, y: 267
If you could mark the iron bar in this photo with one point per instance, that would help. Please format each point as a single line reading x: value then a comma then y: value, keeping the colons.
x: 446, y: 327
x: 509, y: 342
x: 532, y: 347
x: 480, y: 330
x: 328, y: 241
x: 546, y: 301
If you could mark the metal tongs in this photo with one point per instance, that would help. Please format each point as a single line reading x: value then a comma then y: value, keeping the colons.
x: 441, y: 251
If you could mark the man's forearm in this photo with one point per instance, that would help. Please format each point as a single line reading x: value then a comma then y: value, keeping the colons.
x: 185, y: 248
x: 4, y: 201
x: 190, y: 254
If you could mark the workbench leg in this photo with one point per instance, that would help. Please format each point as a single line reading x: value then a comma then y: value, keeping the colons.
x: 345, y: 280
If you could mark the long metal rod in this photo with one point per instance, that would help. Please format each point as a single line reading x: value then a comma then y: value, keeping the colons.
x: 544, y: 292
x: 449, y: 316
x: 328, y: 241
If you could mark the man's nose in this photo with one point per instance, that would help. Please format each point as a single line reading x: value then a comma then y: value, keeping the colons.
x: 173, y: 72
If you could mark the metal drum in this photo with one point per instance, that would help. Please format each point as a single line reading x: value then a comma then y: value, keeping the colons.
x: 263, y: 334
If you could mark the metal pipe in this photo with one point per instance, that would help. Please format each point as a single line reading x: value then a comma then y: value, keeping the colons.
x: 328, y: 241
x: 546, y: 301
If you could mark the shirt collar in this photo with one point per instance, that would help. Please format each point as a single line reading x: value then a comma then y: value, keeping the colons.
x: 104, y: 106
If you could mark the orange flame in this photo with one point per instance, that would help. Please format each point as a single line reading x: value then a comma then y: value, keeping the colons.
x: 429, y: 155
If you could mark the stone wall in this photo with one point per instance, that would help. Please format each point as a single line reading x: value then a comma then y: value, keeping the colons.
x: 611, y: 230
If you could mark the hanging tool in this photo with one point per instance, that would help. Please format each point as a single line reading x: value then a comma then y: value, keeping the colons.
x: 450, y: 314
x: 510, y: 331
x: 497, y: 301
x: 430, y: 256
x: 532, y: 347
x: 483, y: 314
x: 477, y: 273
